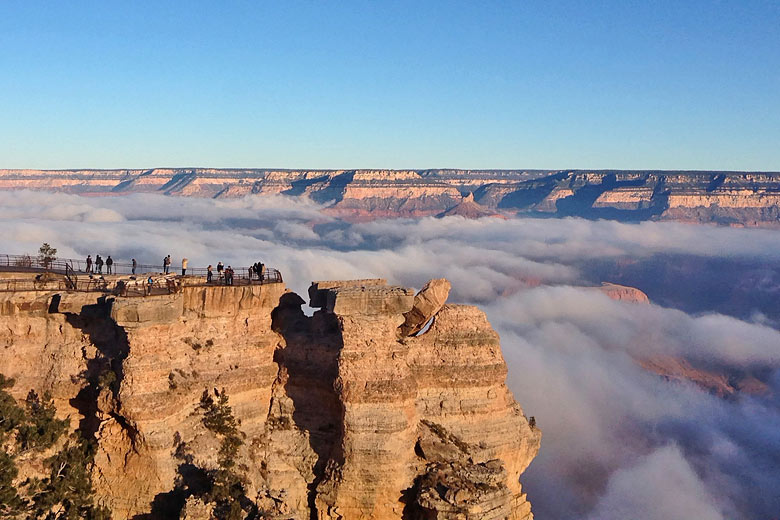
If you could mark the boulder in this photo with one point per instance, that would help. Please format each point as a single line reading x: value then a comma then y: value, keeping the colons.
x: 427, y: 303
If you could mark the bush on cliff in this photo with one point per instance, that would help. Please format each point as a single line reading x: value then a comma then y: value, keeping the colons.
x: 66, y: 492
x: 11, y: 504
x: 42, y: 428
x: 11, y: 415
x: 227, y: 482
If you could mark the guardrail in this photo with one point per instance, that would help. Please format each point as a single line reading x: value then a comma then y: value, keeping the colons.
x: 76, y: 277
x: 59, y: 265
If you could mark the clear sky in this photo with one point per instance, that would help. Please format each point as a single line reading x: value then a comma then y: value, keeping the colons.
x: 419, y: 84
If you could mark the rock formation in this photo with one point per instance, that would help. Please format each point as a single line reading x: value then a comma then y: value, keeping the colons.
x: 427, y: 303
x: 467, y: 208
x: 343, y: 414
x: 623, y: 293
x: 729, y: 198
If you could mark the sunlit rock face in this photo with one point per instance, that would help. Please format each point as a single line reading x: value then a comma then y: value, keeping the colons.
x: 730, y: 198
x: 348, y: 413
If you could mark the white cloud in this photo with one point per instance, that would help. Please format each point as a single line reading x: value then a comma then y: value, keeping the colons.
x: 611, y: 429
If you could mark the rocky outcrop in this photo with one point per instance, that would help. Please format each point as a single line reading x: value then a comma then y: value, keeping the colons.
x: 723, y: 381
x: 467, y: 208
x: 729, y: 198
x: 342, y: 414
x: 427, y: 303
x: 623, y: 293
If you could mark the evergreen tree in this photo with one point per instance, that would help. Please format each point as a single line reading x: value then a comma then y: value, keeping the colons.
x: 66, y: 492
x: 42, y: 429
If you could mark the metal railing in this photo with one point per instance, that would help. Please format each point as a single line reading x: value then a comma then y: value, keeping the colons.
x: 60, y: 265
x: 75, y: 277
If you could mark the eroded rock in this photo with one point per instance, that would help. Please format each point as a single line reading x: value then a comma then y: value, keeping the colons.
x: 340, y: 417
x: 427, y: 303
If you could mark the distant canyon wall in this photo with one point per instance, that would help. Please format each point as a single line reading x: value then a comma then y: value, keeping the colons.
x: 728, y: 198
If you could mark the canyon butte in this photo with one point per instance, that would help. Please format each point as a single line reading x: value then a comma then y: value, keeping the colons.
x: 728, y: 198
x: 383, y: 404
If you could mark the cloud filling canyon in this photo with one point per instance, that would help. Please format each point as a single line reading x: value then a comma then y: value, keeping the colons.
x: 620, y: 439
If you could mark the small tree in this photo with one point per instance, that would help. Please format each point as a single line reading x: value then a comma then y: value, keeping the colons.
x: 47, y: 255
x: 43, y: 428
x: 65, y: 492
x: 11, y: 415
x: 228, y: 482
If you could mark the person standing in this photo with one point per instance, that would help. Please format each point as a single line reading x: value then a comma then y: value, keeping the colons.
x: 89, y: 263
x: 99, y: 264
x: 167, y: 264
x: 109, y: 264
x: 220, y: 268
x: 184, y: 262
x: 135, y: 264
x: 209, y: 274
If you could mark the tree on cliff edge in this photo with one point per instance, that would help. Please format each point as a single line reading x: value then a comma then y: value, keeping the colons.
x: 47, y: 254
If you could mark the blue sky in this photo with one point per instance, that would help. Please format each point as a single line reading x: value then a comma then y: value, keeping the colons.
x: 569, y: 84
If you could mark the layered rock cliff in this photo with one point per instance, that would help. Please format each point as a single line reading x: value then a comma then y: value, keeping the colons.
x: 731, y: 198
x: 382, y: 404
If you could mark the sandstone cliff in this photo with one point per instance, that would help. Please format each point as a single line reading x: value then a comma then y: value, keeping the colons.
x: 348, y: 413
x: 730, y: 198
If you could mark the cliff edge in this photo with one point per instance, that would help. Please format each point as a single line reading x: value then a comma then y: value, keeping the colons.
x: 380, y: 405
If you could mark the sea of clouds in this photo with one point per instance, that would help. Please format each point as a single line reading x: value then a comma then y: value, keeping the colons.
x: 618, y: 442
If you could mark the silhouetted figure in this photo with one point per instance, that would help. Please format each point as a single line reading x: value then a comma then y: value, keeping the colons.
x: 99, y: 264
x: 109, y: 264
x: 135, y: 264
x: 220, y: 268
x: 167, y: 264
x: 209, y: 274
x: 229, y: 276
x: 89, y: 263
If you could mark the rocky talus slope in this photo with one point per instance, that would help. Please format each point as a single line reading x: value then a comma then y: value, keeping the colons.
x: 383, y: 404
x: 732, y: 198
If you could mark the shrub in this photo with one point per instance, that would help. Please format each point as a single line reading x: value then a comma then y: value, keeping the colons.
x: 67, y: 491
x: 42, y: 429
x: 23, y: 261
x: 11, y: 504
x: 228, y: 489
x: 68, y: 487
x: 11, y: 415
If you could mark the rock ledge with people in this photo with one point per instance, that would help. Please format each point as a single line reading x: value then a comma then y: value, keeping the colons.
x: 225, y: 399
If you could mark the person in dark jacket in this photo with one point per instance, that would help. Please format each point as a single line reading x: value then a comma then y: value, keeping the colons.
x: 89, y: 263
x: 135, y: 264
x: 109, y: 264
x: 99, y: 264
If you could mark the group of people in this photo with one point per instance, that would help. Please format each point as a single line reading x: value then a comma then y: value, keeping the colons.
x: 97, y: 265
x: 167, y: 265
x: 225, y: 274
x: 258, y: 269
